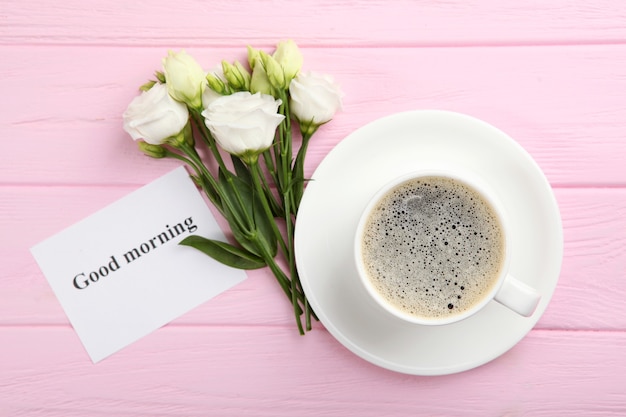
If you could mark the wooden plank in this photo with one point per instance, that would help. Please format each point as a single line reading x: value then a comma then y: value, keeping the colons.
x: 563, y: 105
x: 326, y: 22
x: 592, y: 275
x: 551, y: 74
x: 589, y: 295
x: 218, y: 371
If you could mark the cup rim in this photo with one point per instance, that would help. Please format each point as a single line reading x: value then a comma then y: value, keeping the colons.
x: 468, y: 178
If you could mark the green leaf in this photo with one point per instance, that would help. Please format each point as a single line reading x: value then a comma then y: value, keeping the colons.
x: 248, y: 206
x: 224, y: 253
x: 240, y: 235
x: 298, y: 172
x: 264, y: 226
x: 241, y: 170
x: 237, y: 196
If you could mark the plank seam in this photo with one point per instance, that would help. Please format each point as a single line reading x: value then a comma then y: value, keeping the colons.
x: 237, y: 43
x: 556, y: 186
x: 191, y: 326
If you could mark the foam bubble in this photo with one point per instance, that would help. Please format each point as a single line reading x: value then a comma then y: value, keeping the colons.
x: 433, y: 247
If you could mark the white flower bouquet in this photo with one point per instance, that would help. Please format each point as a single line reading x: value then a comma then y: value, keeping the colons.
x: 196, y: 116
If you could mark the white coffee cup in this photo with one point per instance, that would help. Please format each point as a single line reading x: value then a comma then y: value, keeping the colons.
x: 503, y: 287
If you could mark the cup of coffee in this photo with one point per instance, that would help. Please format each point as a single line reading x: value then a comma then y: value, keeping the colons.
x: 433, y: 247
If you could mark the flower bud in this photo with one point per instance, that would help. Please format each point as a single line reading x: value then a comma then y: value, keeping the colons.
x: 154, y: 151
x: 185, y: 78
x: 147, y: 86
x: 259, y: 83
x: 274, y: 71
x: 160, y: 76
x: 216, y: 84
x: 236, y: 75
x: 253, y: 57
x: 290, y: 58
x: 245, y: 73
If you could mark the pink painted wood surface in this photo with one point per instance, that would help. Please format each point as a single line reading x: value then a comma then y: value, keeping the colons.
x: 551, y: 74
x: 327, y: 22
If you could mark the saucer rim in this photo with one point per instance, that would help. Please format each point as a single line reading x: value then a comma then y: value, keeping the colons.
x: 416, y: 117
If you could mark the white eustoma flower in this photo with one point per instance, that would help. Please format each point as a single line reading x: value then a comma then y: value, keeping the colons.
x: 155, y: 116
x: 242, y: 123
x: 209, y: 96
x: 315, y: 98
x: 185, y: 78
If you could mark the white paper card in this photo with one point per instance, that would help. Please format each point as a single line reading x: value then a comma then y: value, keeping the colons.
x: 120, y: 273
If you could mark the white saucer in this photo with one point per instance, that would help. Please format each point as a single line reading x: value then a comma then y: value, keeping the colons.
x: 341, y: 187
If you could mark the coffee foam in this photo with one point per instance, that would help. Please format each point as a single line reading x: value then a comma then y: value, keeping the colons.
x: 433, y: 247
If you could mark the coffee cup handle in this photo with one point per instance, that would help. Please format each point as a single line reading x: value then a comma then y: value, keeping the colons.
x: 518, y: 296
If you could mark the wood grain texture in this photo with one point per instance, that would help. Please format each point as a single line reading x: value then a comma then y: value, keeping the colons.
x: 589, y: 295
x: 551, y: 74
x: 564, y: 105
x: 327, y: 22
x: 215, y: 371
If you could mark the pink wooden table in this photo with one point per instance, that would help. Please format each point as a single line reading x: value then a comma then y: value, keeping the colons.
x: 552, y: 74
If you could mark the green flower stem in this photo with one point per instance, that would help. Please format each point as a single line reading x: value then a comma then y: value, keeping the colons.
x: 287, y: 131
x: 208, y: 139
x: 269, y: 163
x: 282, y: 279
x: 307, y: 314
x: 275, y: 162
x: 211, y: 194
x: 282, y: 173
x: 298, y: 171
x: 277, y: 208
x: 296, y: 295
x: 194, y: 161
x: 191, y: 151
x: 291, y: 254
x: 242, y: 204
x: 288, y: 289
x: 285, y: 142
x: 253, y: 164
x: 292, y: 192
x: 210, y: 142
x: 243, y: 224
x: 296, y: 286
